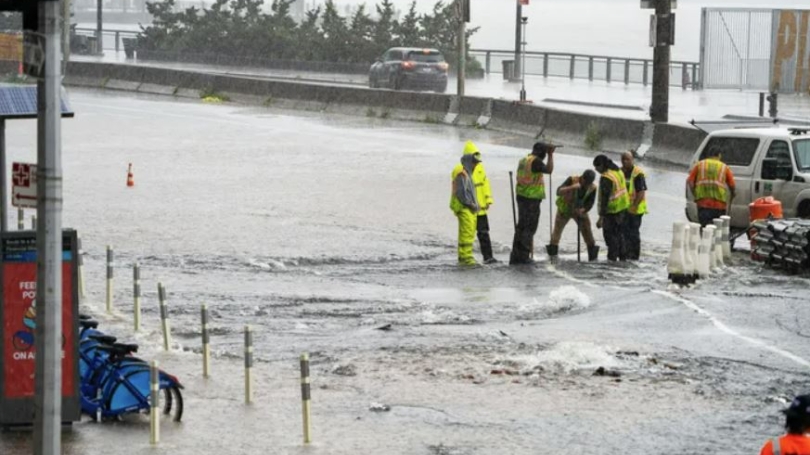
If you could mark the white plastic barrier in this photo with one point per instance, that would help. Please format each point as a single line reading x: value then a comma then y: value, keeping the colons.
x: 718, y: 242
x: 726, y: 238
x: 694, y: 247
x: 689, y: 266
x: 675, y: 266
x: 704, y: 256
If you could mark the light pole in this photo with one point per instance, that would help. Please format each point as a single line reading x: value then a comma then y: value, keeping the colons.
x: 524, y: 20
x: 518, y: 37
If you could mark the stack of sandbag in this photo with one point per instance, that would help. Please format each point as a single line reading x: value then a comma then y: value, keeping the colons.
x: 781, y: 243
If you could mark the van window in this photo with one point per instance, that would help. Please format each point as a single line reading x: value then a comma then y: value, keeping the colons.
x: 801, y: 149
x: 734, y: 151
x: 780, y: 151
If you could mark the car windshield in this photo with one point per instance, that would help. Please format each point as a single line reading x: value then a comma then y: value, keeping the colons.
x: 801, y: 148
x: 430, y: 57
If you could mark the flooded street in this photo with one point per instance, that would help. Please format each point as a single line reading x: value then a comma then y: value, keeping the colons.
x: 318, y: 231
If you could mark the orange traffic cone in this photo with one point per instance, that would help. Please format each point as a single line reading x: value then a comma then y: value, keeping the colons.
x: 130, y: 178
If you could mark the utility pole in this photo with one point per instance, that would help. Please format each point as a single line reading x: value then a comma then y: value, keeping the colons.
x: 518, y: 37
x: 48, y: 335
x: 65, y: 34
x: 659, y: 110
x: 463, y: 17
x: 524, y: 21
x: 99, y: 26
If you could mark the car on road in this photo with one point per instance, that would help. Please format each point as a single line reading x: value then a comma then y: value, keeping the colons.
x: 765, y: 162
x: 409, y: 68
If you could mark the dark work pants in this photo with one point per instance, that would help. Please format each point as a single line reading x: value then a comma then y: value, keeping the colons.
x: 483, y: 236
x: 707, y: 216
x: 528, y: 219
x: 613, y: 229
x: 633, y: 236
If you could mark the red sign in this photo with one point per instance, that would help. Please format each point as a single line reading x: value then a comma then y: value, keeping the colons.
x: 24, y: 185
x: 524, y: 2
x: 19, y: 327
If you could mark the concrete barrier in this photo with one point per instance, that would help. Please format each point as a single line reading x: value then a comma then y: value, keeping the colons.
x: 671, y: 143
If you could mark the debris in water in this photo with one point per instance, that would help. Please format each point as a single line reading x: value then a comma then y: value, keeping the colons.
x: 345, y: 370
x: 602, y: 371
x: 379, y: 407
x: 385, y: 328
x: 628, y: 353
x: 503, y: 333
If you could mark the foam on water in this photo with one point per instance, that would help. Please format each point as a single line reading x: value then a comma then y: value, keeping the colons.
x: 563, y: 299
x: 570, y: 356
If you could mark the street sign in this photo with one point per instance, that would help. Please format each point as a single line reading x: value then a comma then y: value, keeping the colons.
x: 24, y: 185
x: 650, y: 4
x: 524, y: 2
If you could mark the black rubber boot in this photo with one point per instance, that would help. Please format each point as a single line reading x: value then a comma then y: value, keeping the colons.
x: 552, y: 250
x: 593, y: 253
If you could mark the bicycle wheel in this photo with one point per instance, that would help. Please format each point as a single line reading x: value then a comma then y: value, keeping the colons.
x: 173, y: 399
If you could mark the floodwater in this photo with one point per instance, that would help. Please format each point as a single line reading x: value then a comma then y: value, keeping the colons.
x: 319, y: 230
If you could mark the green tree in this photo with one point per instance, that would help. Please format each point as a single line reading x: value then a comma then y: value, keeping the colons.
x: 407, y: 31
x: 384, y: 27
x: 336, y: 34
x: 361, y: 37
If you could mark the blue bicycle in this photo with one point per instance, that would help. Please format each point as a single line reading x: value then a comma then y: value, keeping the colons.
x: 115, y: 383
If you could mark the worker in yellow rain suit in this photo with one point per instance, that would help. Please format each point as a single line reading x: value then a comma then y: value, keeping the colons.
x: 483, y: 193
x: 464, y: 204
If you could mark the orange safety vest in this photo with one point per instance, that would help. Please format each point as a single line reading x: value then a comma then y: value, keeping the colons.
x: 789, y: 444
x: 710, y: 182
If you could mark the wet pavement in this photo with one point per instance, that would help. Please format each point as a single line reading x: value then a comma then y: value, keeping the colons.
x: 319, y: 230
x: 601, y: 98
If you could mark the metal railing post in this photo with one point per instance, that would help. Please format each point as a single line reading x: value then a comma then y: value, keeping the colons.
x: 573, y: 65
x: 590, y: 68
x: 695, y: 83
x: 684, y: 76
x: 646, y: 72
x: 609, y: 69
x: 545, y: 65
x: 488, y: 62
x: 627, y: 72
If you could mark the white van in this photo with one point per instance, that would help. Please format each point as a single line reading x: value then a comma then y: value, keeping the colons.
x: 765, y: 162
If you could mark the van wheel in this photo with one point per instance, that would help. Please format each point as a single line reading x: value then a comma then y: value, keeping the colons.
x: 804, y: 210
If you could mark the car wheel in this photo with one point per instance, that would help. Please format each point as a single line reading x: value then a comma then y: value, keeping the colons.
x: 441, y: 88
x: 395, y: 83
x: 804, y: 210
x: 371, y: 82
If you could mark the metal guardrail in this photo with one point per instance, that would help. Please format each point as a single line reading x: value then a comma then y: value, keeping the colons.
x: 591, y: 67
x: 547, y: 64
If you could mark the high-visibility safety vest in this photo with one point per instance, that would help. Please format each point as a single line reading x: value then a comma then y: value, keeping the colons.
x: 631, y: 189
x: 482, y: 188
x: 619, y: 199
x: 529, y: 184
x: 456, y: 205
x: 710, y: 182
x: 570, y: 200
x: 788, y: 444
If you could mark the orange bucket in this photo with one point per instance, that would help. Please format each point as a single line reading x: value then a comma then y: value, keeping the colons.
x: 765, y: 208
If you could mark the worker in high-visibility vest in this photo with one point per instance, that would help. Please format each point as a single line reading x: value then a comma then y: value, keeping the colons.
x: 613, y: 205
x: 530, y: 191
x: 797, y: 425
x: 712, y: 184
x: 464, y: 204
x: 575, y: 198
x: 637, y: 191
x: 484, y: 194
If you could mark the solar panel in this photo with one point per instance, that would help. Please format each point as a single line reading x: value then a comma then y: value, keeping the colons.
x: 21, y: 102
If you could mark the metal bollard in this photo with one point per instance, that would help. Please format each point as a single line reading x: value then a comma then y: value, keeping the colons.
x: 154, y: 411
x: 164, y: 317
x: 306, y: 397
x: 109, y: 279
x: 34, y: 223
x: 81, y: 267
x: 206, y: 349
x: 248, y: 365
x: 136, y: 292
x: 20, y: 219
